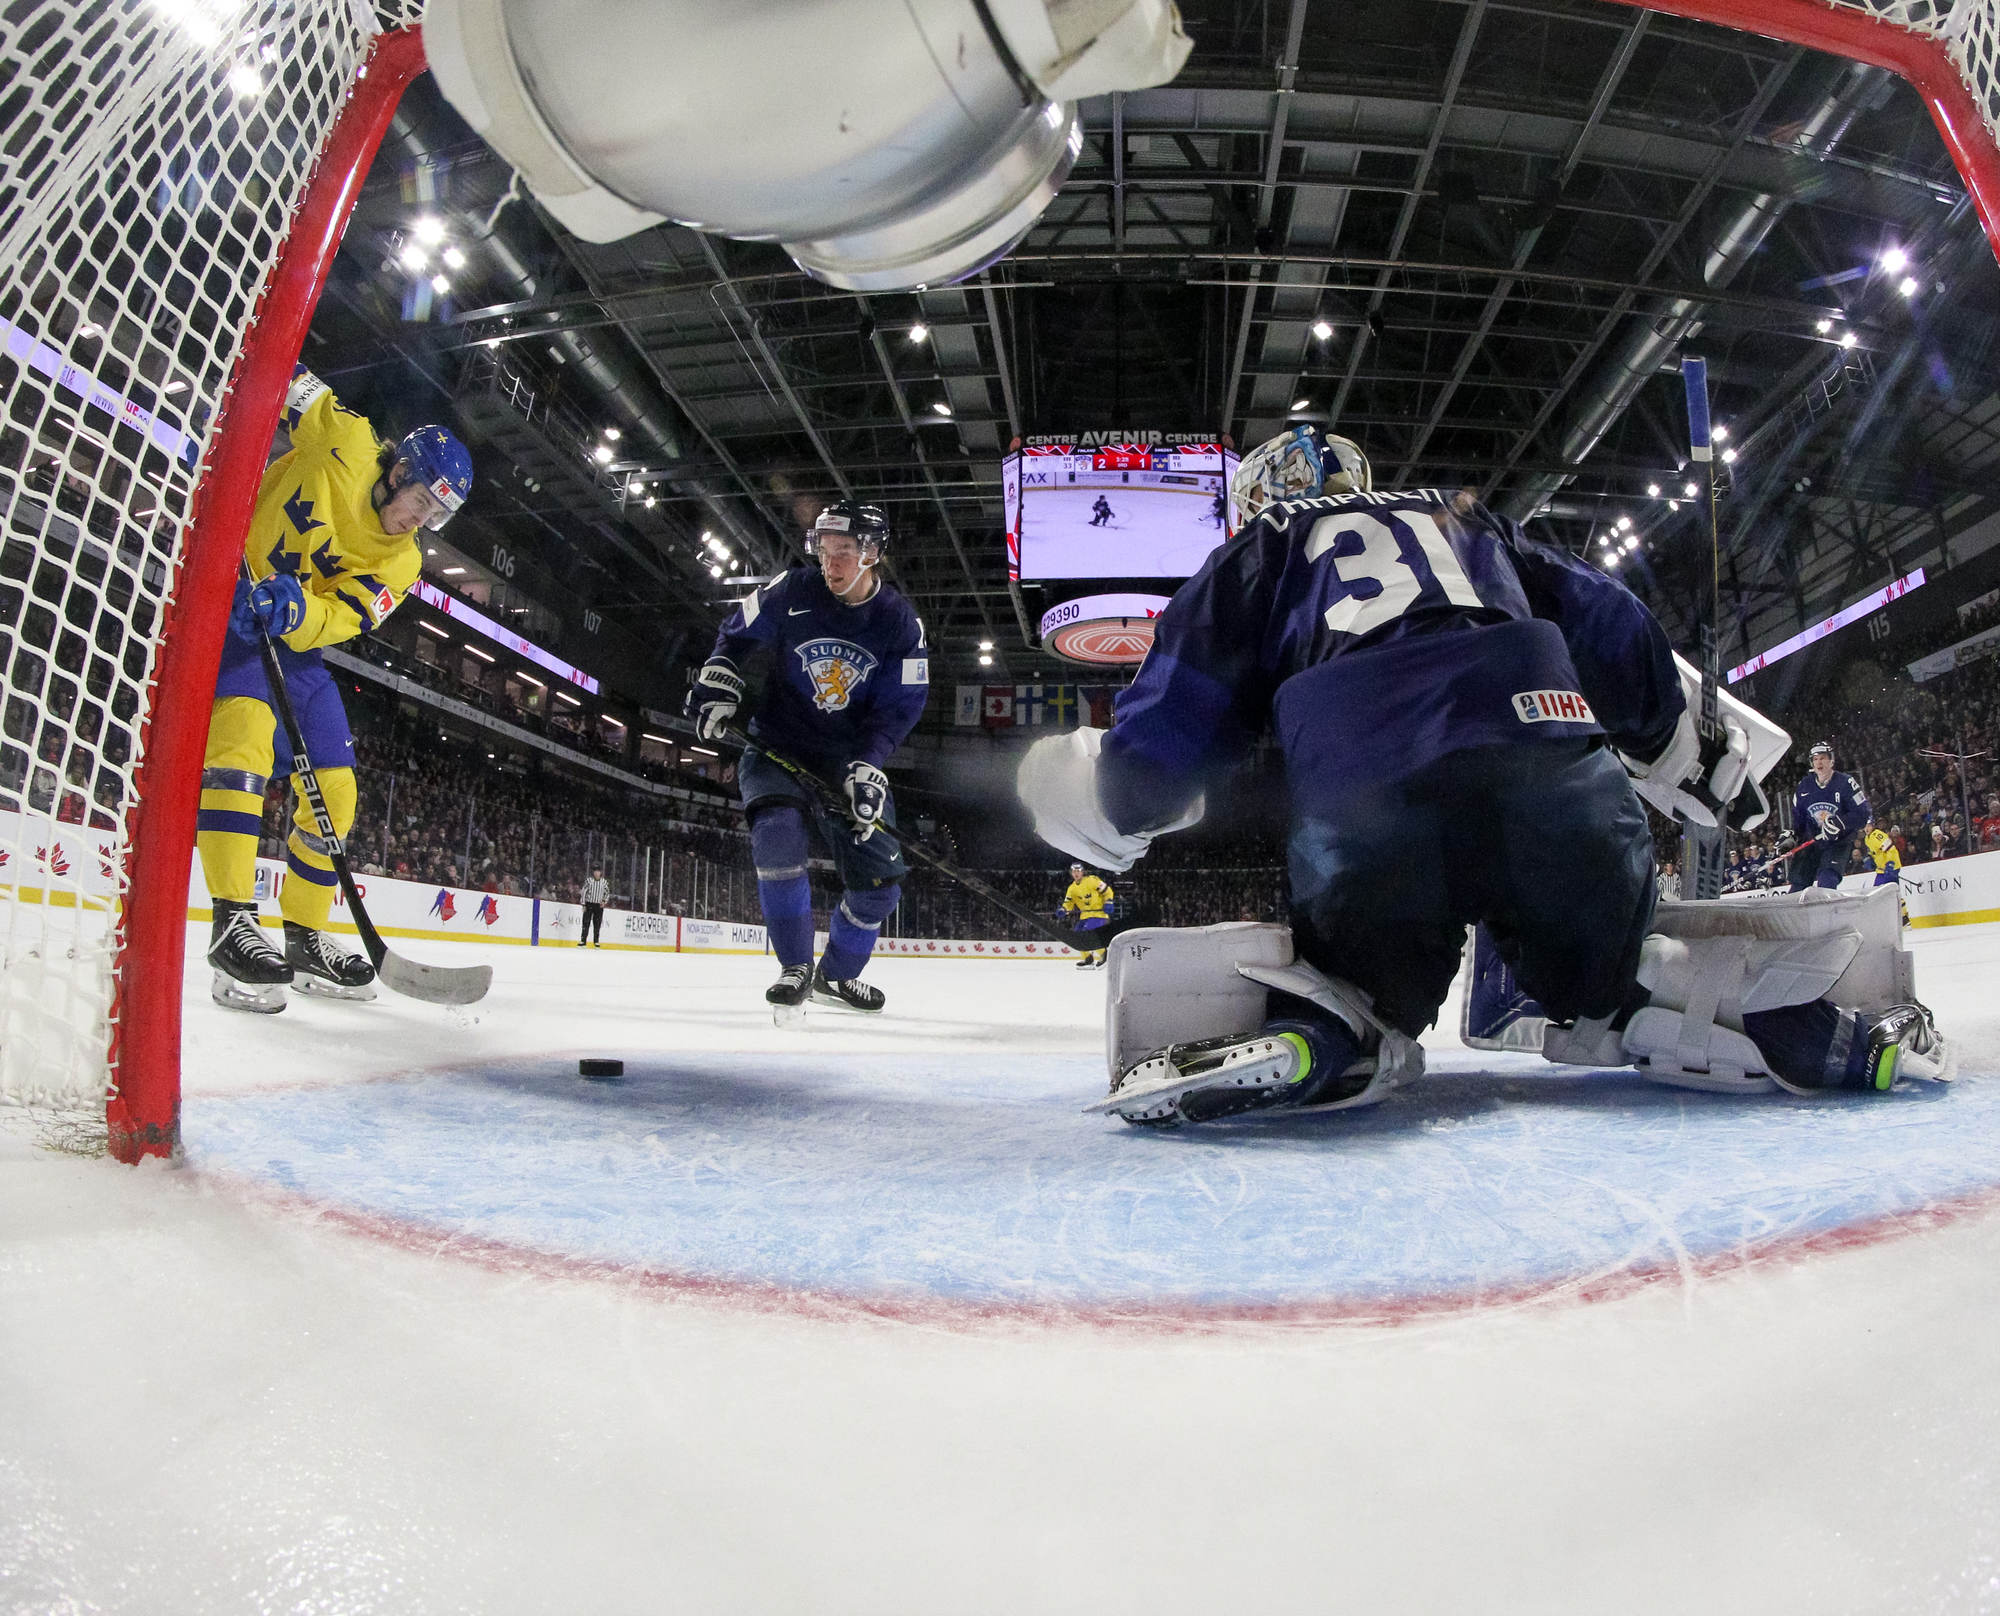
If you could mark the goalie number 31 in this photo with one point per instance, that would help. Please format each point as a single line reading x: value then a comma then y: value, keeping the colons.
x: 1381, y: 558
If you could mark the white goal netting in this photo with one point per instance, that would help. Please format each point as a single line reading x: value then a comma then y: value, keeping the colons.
x: 151, y: 155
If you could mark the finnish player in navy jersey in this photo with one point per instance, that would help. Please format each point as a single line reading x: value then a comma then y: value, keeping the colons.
x: 849, y: 677
x: 1829, y: 810
x: 1452, y: 699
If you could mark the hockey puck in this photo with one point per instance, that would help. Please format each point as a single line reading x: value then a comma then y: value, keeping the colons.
x: 600, y: 1068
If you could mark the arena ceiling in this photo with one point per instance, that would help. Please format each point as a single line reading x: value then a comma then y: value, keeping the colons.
x: 1476, y: 237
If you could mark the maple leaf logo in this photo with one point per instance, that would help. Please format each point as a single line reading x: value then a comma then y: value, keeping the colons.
x: 444, y: 906
x: 55, y: 861
x: 489, y: 910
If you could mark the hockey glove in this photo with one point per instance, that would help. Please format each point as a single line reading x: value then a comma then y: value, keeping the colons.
x: 1830, y: 827
x: 867, y: 796
x: 1057, y: 783
x: 276, y: 604
x: 1697, y: 778
x: 713, y: 698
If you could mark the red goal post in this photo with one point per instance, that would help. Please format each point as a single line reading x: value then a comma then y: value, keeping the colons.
x: 175, y: 176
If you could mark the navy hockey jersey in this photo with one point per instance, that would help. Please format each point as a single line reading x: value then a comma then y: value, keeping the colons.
x: 1832, y: 812
x: 849, y: 681
x: 1377, y: 633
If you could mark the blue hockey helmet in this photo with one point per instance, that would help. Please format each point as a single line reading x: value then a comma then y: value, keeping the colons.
x: 440, y: 462
x: 865, y: 524
x: 1299, y: 463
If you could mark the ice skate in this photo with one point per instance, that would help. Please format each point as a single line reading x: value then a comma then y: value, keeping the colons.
x: 850, y: 995
x: 787, y: 996
x: 1208, y: 1079
x: 250, y: 973
x: 322, y: 969
x: 1902, y: 1042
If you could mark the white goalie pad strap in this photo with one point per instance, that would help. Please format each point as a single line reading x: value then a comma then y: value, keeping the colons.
x: 1178, y: 984
x: 1057, y: 783
x: 1398, y: 1058
x: 1584, y: 1043
x: 1655, y: 1041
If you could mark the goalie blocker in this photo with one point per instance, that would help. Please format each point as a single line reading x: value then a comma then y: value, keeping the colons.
x: 1734, y: 997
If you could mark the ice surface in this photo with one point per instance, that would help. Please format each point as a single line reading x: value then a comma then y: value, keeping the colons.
x: 871, y: 1318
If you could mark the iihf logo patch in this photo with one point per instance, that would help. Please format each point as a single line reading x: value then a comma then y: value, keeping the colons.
x: 1552, y: 706
x: 837, y: 669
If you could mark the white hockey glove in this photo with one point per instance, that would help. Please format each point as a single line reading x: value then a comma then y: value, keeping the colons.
x: 713, y: 698
x: 867, y: 796
x: 1057, y: 783
x: 1718, y: 780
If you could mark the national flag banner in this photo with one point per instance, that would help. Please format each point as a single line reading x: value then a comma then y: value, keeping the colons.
x: 1063, y: 706
x: 997, y: 707
x: 970, y: 699
x: 425, y: 180
x: 1028, y: 704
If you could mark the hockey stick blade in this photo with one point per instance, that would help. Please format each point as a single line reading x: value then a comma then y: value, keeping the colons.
x: 434, y: 984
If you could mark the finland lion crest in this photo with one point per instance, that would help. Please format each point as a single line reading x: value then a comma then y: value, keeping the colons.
x: 837, y: 669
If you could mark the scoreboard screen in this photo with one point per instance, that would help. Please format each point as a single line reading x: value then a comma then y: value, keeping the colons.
x: 1116, y: 504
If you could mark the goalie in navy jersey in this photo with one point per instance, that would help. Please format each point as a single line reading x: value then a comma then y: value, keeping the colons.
x: 1447, y: 694
x: 848, y: 680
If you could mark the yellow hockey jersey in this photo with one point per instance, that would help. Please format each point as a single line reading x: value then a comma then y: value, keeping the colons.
x: 315, y: 520
x: 1089, y: 898
x: 1882, y: 850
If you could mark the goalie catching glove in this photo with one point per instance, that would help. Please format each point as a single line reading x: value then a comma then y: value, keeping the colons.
x: 1057, y: 783
x: 1712, y: 779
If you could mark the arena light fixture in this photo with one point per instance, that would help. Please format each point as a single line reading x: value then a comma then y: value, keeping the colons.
x: 564, y: 695
x: 601, y: 454
x: 1895, y: 260
x: 432, y: 628
x: 1322, y: 330
x: 1688, y: 490
x: 701, y: 751
x: 1720, y: 432
x: 986, y: 662
x: 714, y: 571
x: 484, y: 656
x: 1908, y: 286
x: 245, y: 80
x: 985, y: 645
x: 413, y: 257
x: 1673, y: 504
x: 1652, y: 490
x: 941, y: 407
x: 1623, y: 524
x: 1612, y: 559
x: 429, y: 229
x: 453, y: 258
x: 528, y: 679
x: 920, y: 332
x: 1729, y: 457
x: 651, y: 502
x: 1822, y: 326
x: 1300, y: 403
x: 440, y: 284
x: 1848, y: 339
x: 177, y: 385
x: 612, y: 434
x: 453, y: 572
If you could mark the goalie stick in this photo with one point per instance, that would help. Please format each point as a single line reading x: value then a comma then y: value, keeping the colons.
x: 1703, y: 847
x: 434, y: 984
x: 837, y: 800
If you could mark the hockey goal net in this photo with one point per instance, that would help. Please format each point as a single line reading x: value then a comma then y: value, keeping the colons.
x: 174, y: 177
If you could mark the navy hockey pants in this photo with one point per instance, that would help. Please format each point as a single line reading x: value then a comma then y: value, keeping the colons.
x: 1543, y: 840
x: 1821, y: 864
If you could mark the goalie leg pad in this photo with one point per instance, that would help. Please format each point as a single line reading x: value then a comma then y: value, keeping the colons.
x: 1179, y: 984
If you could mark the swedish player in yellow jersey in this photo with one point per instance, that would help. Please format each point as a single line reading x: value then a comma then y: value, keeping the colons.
x: 332, y: 550
x: 1089, y: 899
x: 1888, y: 863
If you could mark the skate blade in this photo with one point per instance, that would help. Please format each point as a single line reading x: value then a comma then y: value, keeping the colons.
x: 789, y: 1017
x: 827, y: 1001
x: 314, y: 987
x: 259, y: 998
x: 1156, y: 1097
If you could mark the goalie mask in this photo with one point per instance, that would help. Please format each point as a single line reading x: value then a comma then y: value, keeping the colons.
x: 1299, y: 463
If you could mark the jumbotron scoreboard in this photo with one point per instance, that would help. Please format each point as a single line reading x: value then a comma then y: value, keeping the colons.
x: 1116, y: 504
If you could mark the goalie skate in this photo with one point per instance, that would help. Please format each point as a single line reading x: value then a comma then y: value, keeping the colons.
x: 322, y: 970
x: 1151, y: 1091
